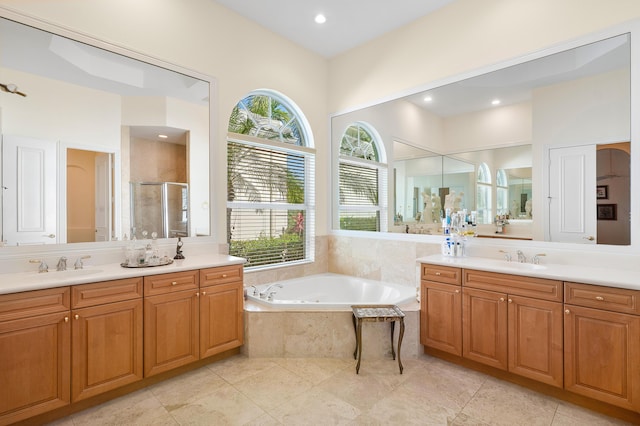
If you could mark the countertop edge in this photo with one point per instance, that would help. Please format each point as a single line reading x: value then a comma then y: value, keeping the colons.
x: 617, y: 278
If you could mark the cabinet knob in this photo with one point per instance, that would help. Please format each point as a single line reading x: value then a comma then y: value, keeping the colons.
x: 66, y: 319
x: 599, y: 298
x: 174, y: 282
x: 438, y: 274
x: 457, y: 291
x: 502, y: 299
x: 510, y: 301
x: 76, y: 316
x: 197, y: 294
x: 204, y: 293
x: 567, y: 311
x: 224, y: 275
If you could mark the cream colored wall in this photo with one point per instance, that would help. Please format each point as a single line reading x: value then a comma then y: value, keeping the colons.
x: 210, y: 39
x: 463, y: 36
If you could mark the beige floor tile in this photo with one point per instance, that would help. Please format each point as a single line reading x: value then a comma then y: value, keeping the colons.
x: 239, y: 368
x: 272, y: 387
x: 225, y: 406
x: 501, y: 403
x: 181, y: 390
x: 138, y: 408
x: 569, y: 414
x: 315, y: 407
x: 316, y: 370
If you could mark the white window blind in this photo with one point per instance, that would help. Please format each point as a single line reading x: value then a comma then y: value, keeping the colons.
x: 269, y: 213
x: 359, y: 197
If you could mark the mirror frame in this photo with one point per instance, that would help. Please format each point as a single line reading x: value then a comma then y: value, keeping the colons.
x: 540, y: 154
x: 133, y: 54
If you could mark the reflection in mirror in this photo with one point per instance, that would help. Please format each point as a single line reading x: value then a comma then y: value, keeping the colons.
x: 495, y: 135
x: 92, y: 125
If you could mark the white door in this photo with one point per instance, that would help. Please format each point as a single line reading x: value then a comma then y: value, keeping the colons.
x: 29, y: 207
x: 103, y: 196
x: 572, y: 194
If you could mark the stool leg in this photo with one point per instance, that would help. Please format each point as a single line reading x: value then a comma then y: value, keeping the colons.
x: 393, y: 326
x: 359, y: 344
x: 355, y: 331
x: 400, y: 343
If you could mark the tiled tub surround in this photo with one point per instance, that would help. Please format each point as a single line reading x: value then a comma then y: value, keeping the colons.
x: 323, y: 334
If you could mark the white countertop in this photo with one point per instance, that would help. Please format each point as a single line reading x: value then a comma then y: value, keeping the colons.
x: 609, y: 277
x: 25, y: 281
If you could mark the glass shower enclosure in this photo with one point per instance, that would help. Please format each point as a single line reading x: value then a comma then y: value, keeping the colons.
x: 161, y: 207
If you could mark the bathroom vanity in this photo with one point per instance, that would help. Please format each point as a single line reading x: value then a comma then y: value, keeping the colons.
x: 93, y: 334
x: 570, y: 330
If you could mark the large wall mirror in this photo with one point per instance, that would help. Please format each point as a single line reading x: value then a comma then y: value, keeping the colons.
x: 96, y: 145
x: 539, y: 150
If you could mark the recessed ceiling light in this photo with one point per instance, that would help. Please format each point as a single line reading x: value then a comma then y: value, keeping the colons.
x: 495, y: 102
x: 163, y: 136
x: 428, y: 98
x: 320, y: 18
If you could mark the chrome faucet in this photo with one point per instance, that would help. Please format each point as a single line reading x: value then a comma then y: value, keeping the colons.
x: 521, y: 257
x: 264, y: 293
x: 43, y: 267
x: 507, y: 255
x: 79, y: 264
x: 536, y: 258
x: 62, y: 264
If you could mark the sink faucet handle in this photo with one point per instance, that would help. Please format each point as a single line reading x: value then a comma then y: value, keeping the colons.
x: 43, y: 265
x: 507, y: 255
x: 536, y: 258
x: 78, y: 264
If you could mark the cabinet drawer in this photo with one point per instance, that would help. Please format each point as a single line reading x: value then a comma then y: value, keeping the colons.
x: 169, y: 283
x: 538, y: 288
x: 442, y: 274
x: 608, y: 298
x: 220, y: 275
x: 31, y: 303
x: 105, y: 292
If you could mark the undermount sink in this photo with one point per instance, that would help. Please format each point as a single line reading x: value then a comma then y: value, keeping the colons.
x: 525, y: 266
x: 69, y: 273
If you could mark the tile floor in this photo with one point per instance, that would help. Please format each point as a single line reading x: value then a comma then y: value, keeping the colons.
x: 295, y: 391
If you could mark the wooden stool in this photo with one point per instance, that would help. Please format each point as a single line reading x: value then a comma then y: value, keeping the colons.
x: 377, y: 313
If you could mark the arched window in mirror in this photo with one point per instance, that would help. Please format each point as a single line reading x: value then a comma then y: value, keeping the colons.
x: 270, y: 181
x: 502, y: 192
x: 362, y: 183
x: 483, y: 197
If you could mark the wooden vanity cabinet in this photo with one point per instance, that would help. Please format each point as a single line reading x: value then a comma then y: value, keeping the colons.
x: 514, y: 323
x: 35, y: 359
x: 441, y: 308
x: 171, y: 321
x: 221, y: 309
x: 106, y: 319
x: 602, y: 344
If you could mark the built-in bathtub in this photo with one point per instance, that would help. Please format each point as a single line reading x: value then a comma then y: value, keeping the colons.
x: 311, y: 317
x: 329, y: 292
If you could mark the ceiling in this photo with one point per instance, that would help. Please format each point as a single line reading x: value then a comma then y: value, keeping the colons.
x: 349, y: 24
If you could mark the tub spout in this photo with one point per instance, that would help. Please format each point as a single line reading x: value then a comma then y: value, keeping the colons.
x: 264, y: 293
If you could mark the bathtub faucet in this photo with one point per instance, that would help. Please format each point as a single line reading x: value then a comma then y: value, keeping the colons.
x: 264, y: 293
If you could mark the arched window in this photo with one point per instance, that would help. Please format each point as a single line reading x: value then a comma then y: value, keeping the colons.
x: 362, y: 180
x: 270, y: 188
x: 483, y: 197
x: 502, y: 192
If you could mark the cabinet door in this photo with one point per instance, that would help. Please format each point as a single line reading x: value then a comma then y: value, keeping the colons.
x: 170, y: 331
x: 484, y: 327
x: 107, y: 347
x: 535, y: 339
x: 35, y: 362
x: 601, y: 353
x: 221, y: 312
x: 441, y: 317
